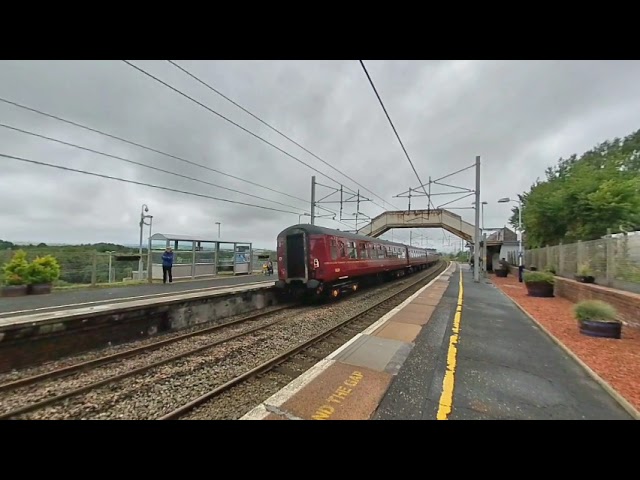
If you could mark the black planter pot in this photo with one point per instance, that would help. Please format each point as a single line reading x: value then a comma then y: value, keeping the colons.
x: 599, y: 328
x: 585, y: 278
x: 14, y: 290
x: 39, y: 289
x: 502, y: 273
x: 539, y: 289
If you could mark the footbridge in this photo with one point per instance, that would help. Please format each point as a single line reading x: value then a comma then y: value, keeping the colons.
x: 436, y: 218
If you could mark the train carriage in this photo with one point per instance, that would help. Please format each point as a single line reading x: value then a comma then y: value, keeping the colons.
x: 319, y: 260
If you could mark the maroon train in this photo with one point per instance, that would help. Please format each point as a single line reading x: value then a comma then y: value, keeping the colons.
x: 322, y: 261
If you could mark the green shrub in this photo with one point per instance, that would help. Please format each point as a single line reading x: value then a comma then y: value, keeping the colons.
x: 16, y: 270
x: 550, y: 269
x: 43, y: 270
x: 530, y: 277
x: 595, y: 310
x: 584, y: 270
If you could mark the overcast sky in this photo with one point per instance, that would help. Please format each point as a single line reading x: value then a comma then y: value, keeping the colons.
x: 519, y: 116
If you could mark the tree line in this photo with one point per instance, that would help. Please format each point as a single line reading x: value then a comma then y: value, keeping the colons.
x: 582, y: 197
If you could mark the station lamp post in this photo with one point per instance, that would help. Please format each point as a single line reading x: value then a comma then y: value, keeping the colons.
x: 144, y: 209
x: 520, y: 254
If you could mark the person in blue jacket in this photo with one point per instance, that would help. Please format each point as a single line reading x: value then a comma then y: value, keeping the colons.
x: 167, y: 264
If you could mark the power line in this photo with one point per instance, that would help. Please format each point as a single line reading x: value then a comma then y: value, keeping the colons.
x: 35, y: 162
x: 275, y: 129
x: 394, y: 128
x: 228, y: 120
x: 139, y: 163
x: 115, y: 137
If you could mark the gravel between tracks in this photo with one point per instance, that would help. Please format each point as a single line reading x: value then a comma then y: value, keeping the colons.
x: 110, y: 350
x: 159, y: 390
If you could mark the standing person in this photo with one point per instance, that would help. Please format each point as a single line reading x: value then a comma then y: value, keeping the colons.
x: 167, y: 265
x: 270, y: 267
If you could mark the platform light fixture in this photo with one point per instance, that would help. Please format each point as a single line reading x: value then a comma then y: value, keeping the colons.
x: 520, y: 255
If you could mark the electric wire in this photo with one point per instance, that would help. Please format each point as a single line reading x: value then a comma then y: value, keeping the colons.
x: 394, y: 129
x: 135, y: 182
x: 277, y: 131
x: 141, y: 70
x: 129, y: 142
x: 133, y: 162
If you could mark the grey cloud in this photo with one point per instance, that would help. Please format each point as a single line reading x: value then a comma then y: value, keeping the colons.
x: 520, y: 116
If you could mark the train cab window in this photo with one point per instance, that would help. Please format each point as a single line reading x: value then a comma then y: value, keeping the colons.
x: 334, y: 249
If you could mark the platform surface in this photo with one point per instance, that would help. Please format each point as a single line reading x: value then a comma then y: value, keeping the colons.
x: 349, y: 384
x: 62, y: 300
x: 421, y: 361
x: 504, y: 368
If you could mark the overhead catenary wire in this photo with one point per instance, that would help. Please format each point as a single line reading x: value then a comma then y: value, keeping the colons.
x: 276, y: 130
x: 178, y: 91
x: 135, y: 182
x: 133, y: 162
x: 130, y: 142
x: 394, y: 129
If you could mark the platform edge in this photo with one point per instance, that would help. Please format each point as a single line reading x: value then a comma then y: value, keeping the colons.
x: 288, y: 391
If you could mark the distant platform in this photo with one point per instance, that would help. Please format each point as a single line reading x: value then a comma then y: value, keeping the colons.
x: 61, y: 300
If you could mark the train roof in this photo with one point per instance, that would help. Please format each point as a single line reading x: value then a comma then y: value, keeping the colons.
x: 317, y: 230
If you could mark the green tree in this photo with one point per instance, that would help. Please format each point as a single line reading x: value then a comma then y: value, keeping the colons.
x: 582, y: 197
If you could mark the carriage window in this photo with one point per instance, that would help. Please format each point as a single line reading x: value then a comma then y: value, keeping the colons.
x: 362, y: 251
x: 351, y: 249
x: 334, y: 250
x: 380, y: 251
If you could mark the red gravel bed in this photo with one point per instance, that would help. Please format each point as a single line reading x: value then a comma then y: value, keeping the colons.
x: 617, y: 362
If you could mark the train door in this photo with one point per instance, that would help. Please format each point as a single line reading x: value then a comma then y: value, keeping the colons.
x: 295, y: 256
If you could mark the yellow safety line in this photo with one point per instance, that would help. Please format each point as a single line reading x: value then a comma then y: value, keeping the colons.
x: 446, y: 399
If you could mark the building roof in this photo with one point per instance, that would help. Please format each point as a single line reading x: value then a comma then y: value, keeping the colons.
x: 503, y: 235
x: 194, y: 238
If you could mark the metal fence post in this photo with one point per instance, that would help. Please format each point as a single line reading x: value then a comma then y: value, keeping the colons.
x: 94, y: 269
x: 610, y: 258
x: 560, y: 258
x: 579, y: 256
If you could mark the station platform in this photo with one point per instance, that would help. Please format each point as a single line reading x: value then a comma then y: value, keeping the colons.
x: 455, y: 350
x: 64, y: 300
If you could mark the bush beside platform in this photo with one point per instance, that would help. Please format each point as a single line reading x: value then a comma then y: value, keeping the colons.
x: 20, y: 277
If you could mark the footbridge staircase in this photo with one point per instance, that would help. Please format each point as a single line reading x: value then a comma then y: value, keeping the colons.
x: 435, y: 218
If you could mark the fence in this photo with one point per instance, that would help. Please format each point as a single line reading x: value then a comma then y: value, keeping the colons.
x: 614, y: 261
x: 87, y: 267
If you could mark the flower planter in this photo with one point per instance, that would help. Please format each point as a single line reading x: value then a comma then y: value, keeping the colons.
x: 585, y: 278
x: 39, y: 289
x: 600, y: 328
x: 539, y: 289
x: 502, y: 273
x: 14, y: 290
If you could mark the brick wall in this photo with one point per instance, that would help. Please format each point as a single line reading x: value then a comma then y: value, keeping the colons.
x: 627, y: 303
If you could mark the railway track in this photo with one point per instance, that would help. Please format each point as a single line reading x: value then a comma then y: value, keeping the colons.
x: 287, y: 365
x: 109, y: 359
x: 57, y: 402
